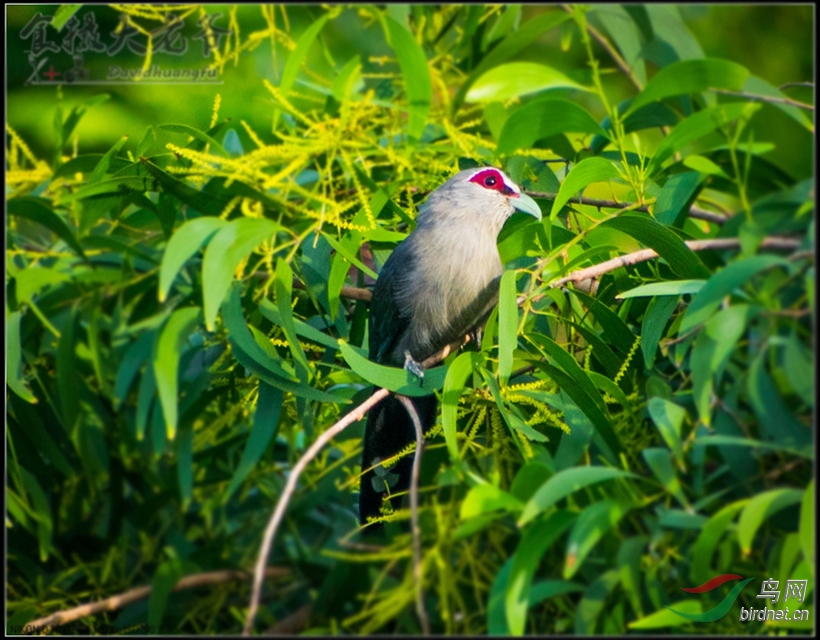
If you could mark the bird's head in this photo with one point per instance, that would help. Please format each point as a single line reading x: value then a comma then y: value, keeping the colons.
x: 482, y: 195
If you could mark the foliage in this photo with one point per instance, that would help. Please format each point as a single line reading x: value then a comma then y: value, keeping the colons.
x: 185, y: 316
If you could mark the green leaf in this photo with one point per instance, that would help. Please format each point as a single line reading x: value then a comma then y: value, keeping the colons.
x: 172, y: 338
x: 568, y: 364
x: 68, y: 382
x: 507, y: 325
x: 516, y: 41
x: 682, y: 260
x: 138, y: 352
x: 760, y: 508
x: 806, y: 529
x: 722, y: 284
x: 416, y: 74
x: 536, y: 540
x: 63, y: 15
x: 541, y: 119
x: 582, y: 175
x: 709, y: 538
x: 665, y: 618
x: 296, y: 59
x: 162, y: 585
x: 215, y: 147
x: 593, y: 522
x: 14, y: 359
x: 695, y: 127
x: 658, y: 312
x: 591, y: 605
x: 232, y: 244
x: 691, y: 76
x: 676, y: 197
x: 588, y: 406
x: 205, y: 203
x: 256, y: 356
x: 302, y: 328
x: 515, y: 79
x: 39, y: 211
x: 40, y: 511
x: 669, y: 288
x: 183, y: 244
x: 626, y: 35
x: 668, y: 418
x: 105, y: 162
x: 284, y: 287
x: 265, y: 425
x: 484, y: 498
x: 563, y: 484
x: 454, y: 381
x: 392, y: 378
x: 659, y: 461
x: 711, y: 351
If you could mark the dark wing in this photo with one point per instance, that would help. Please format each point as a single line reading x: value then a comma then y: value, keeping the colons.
x: 387, y: 322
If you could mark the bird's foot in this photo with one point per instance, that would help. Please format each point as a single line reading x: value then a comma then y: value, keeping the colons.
x: 413, y: 367
x: 475, y: 337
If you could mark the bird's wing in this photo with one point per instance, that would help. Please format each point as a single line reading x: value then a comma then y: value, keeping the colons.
x: 387, y: 322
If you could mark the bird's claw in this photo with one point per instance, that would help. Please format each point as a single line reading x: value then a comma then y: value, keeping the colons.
x: 475, y: 336
x: 413, y: 367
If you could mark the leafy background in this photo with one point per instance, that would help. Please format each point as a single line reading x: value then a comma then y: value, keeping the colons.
x: 182, y: 263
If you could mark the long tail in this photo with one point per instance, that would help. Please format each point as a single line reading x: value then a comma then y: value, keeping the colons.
x: 389, y: 430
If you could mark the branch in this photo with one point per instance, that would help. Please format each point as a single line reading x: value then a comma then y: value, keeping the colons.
x: 290, y: 486
x: 643, y: 255
x: 694, y: 212
x: 759, y: 98
x: 622, y: 65
x: 414, y: 513
x: 113, y: 603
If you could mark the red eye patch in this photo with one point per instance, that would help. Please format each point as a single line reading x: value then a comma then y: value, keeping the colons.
x: 492, y: 179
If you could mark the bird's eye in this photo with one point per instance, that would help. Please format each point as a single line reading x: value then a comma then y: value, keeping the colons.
x: 490, y: 181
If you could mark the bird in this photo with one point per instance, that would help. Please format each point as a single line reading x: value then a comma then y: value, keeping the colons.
x: 439, y: 284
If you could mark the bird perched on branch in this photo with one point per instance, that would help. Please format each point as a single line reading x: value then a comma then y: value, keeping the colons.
x: 437, y: 286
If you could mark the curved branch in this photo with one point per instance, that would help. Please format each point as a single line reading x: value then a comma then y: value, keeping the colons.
x: 122, y: 599
x: 414, y: 513
x: 290, y: 486
x: 694, y: 212
x: 643, y: 255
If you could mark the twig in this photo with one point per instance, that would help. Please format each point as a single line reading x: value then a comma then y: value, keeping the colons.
x: 622, y: 65
x: 643, y: 255
x: 795, y: 84
x: 694, y: 212
x: 759, y: 98
x: 292, y: 624
x: 299, y: 467
x: 352, y: 293
x: 414, y: 513
x: 120, y: 600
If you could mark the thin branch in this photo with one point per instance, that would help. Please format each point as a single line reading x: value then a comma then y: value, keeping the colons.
x: 352, y: 293
x: 602, y: 40
x: 694, y: 212
x: 796, y: 84
x: 292, y: 624
x: 643, y: 255
x: 759, y: 98
x: 118, y: 601
x: 290, y: 486
x: 414, y: 513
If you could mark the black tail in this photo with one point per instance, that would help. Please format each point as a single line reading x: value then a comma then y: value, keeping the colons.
x: 389, y: 430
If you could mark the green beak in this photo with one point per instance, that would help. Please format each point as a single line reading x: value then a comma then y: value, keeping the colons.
x: 526, y: 204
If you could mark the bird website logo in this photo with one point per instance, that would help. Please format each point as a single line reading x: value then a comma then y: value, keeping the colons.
x: 795, y: 589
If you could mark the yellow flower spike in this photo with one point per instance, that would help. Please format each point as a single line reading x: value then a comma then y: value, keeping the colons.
x: 215, y: 113
x: 625, y: 365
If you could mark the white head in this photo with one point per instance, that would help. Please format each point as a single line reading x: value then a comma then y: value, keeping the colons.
x: 482, y: 196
